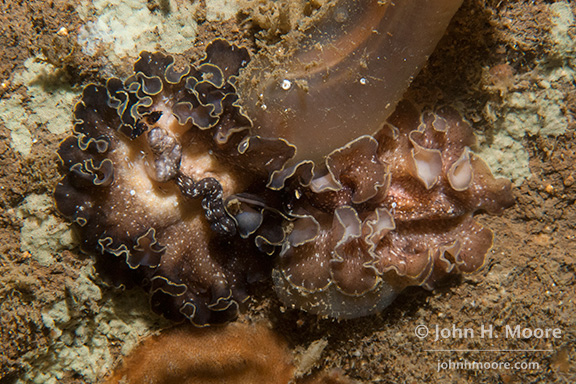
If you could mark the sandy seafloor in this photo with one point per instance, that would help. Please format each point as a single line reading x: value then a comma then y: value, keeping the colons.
x: 508, y: 66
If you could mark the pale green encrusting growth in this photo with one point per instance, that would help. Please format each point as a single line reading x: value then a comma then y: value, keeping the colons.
x: 83, y: 345
x: 119, y: 29
x: 42, y: 235
x: 48, y: 106
x: 538, y: 109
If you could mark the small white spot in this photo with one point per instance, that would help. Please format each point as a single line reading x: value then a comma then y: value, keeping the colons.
x: 363, y: 81
x: 286, y: 84
x: 264, y: 107
x: 132, y: 192
x: 62, y: 32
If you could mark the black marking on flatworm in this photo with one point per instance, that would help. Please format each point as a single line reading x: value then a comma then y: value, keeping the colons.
x: 211, y: 192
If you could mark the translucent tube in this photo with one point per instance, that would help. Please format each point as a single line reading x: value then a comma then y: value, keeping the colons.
x: 343, y: 76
